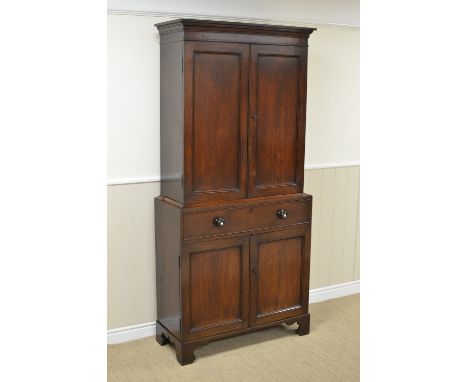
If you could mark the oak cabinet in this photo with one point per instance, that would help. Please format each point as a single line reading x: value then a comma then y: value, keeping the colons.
x: 232, y: 222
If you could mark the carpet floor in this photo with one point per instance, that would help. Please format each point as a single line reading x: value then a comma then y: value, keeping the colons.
x: 330, y: 353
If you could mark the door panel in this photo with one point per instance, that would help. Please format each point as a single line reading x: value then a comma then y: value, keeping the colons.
x: 277, y: 103
x: 215, y: 286
x: 216, y: 85
x: 277, y: 120
x: 278, y: 261
x: 209, y: 305
x: 279, y: 267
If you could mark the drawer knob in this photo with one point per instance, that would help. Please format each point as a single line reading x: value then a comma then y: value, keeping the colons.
x: 282, y: 214
x: 219, y: 222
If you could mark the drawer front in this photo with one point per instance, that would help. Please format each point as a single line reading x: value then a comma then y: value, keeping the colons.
x: 222, y: 221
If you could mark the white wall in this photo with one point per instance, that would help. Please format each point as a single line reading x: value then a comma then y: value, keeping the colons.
x: 332, y: 132
x: 133, y: 98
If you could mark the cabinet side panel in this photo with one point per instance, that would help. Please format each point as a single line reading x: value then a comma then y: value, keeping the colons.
x: 172, y: 121
x: 167, y: 219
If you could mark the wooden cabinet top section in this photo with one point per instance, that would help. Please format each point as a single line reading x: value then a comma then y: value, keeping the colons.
x: 208, y: 30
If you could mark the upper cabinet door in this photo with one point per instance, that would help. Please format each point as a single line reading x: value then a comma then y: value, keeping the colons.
x: 278, y: 78
x: 216, y: 104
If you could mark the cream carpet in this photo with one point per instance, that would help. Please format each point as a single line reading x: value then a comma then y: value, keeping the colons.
x: 329, y: 353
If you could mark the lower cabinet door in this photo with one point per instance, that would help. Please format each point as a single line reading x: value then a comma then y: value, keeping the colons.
x: 215, y: 287
x: 279, y: 263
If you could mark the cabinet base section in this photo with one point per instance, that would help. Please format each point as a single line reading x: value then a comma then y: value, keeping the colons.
x: 185, y: 349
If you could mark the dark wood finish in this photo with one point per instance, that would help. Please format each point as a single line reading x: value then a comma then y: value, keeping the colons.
x: 279, y: 264
x: 232, y: 224
x: 172, y: 124
x: 280, y: 280
x: 168, y: 249
x: 215, y: 287
x: 304, y: 325
x: 219, y: 279
x: 223, y: 31
x: 212, y: 148
x: 185, y: 349
x: 245, y: 217
x: 278, y: 81
x: 161, y: 337
x: 216, y: 91
x: 185, y: 352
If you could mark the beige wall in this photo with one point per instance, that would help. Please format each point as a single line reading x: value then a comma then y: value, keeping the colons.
x: 332, y: 131
x: 131, y: 267
x: 335, y: 225
x: 131, y: 271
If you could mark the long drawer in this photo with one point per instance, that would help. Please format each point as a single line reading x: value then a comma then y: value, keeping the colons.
x: 220, y: 221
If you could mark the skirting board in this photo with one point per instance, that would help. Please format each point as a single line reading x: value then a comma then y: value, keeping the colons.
x: 333, y: 291
x: 148, y: 329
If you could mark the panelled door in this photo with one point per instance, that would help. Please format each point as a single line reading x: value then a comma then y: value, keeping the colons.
x: 216, y: 108
x: 215, y: 286
x: 279, y: 263
x: 278, y: 80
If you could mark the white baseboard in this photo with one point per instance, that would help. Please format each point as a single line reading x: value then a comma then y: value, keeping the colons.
x: 148, y: 329
x: 130, y: 333
x: 333, y: 291
x: 134, y: 180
